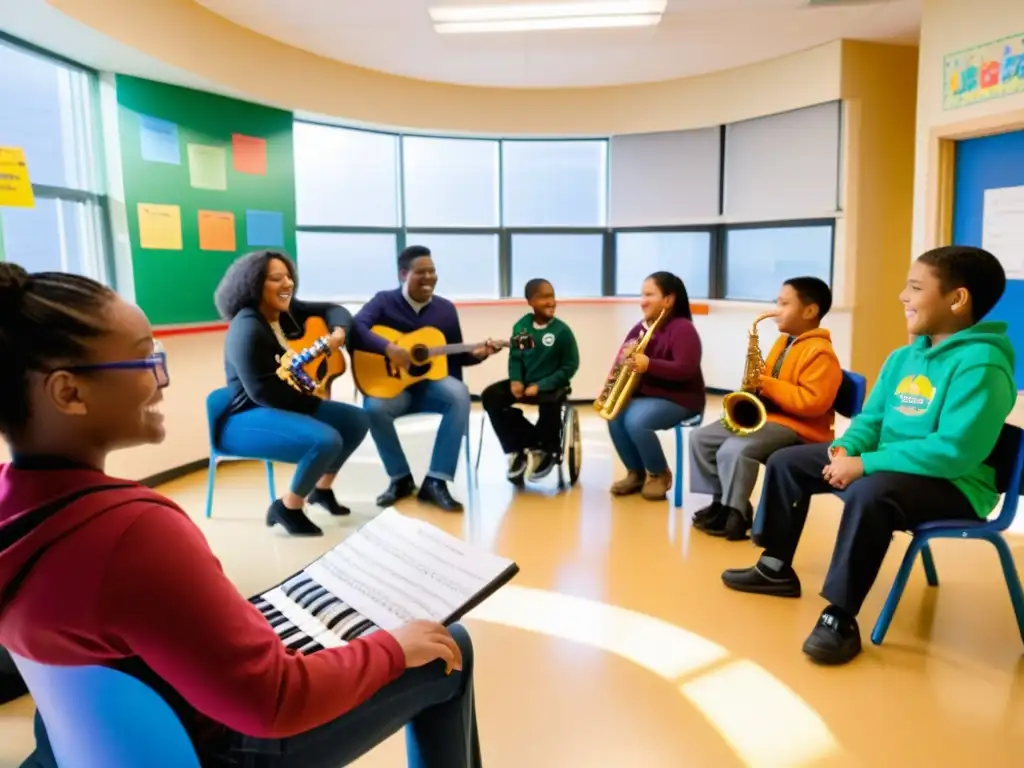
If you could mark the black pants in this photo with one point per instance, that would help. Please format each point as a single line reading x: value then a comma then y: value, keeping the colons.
x: 874, y: 507
x: 515, y: 432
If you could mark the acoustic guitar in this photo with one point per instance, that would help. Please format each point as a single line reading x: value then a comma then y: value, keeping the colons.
x: 377, y: 376
x: 323, y: 369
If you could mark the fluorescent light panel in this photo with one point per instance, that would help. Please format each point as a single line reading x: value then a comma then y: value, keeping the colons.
x: 508, y: 12
x: 539, y: 25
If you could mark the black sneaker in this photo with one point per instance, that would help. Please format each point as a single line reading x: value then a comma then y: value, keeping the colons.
x: 762, y: 580
x: 292, y: 520
x: 540, y: 464
x: 835, y: 639
x: 516, y: 466
x: 325, y: 498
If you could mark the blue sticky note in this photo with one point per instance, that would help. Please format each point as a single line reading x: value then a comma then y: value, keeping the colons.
x: 264, y: 228
x: 159, y: 140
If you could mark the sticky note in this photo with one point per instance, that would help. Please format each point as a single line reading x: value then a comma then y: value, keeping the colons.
x: 264, y: 228
x: 207, y: 167
x: 160, y: 227
x: 159, y: 140
x: 217, y: 231
x: 250, y: 154
x: 15, y: 185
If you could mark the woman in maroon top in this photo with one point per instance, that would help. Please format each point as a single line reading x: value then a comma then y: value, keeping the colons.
x: 100, y: 571
x: 672, y: 387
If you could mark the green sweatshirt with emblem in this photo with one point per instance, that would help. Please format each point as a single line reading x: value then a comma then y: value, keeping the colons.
x: 938, y: 411
x: 553, y: 359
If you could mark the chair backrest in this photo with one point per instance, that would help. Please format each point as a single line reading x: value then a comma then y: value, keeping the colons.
x: 1007, y: 458
x: 101, y: 718
x: 850, y: 398
x: 217, y: 403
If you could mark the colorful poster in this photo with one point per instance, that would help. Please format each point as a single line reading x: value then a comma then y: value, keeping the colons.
x: 217, y: 231
x: 250, y: 154
x: 159, y: 140
x: 160, y: 227
x: 988, y: 71
x: 207, y: 167
x: 15, y: 185
x: 264, y: 229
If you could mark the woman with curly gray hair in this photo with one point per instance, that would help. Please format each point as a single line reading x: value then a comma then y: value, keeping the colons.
x: 267, y: 416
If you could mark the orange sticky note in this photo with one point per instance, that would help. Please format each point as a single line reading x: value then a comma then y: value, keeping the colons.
x: 250, y: 154
x: 217, y: 231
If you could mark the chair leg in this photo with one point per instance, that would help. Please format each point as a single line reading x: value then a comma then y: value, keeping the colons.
x: 1012, y: 579
x: 470, y: 474
x: 929, y: 566
x: 480, y: 443
x: 896, y: 591
x: 270, y: 481
x: 678, y: 491
x: 211, y: 476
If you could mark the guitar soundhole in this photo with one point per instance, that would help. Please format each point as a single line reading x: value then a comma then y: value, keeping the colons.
x: 321, y: 370
x: 420, y: 354
x: 419, y: 370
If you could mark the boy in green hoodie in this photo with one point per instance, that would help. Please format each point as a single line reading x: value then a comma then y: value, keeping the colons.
x: 915, y: 454
x: 542, y: 373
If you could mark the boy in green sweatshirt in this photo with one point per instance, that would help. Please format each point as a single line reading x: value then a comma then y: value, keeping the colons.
x: 541, y: 374
x: 915, y: 454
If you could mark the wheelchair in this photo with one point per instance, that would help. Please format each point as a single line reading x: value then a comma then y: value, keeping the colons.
x: 569, y: 457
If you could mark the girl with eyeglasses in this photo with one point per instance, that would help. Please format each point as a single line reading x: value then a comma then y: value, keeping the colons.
x: 95, y: 570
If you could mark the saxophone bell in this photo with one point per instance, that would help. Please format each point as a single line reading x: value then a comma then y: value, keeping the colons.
x: 743, y: 412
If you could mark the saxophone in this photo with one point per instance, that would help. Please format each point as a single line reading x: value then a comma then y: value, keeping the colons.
x: 623, y: 379
x: 743, y: 412
x: 290, y: 365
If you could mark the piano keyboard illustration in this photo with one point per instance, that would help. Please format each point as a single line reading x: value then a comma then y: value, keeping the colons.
x: 308, y: 618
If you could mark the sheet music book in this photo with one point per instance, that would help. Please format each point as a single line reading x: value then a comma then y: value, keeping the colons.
x: 395, y: 569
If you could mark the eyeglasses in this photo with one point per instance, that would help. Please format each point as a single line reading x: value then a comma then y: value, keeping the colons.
x: 156, y: 362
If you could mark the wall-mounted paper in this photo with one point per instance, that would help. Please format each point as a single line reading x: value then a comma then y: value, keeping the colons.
x: 250, y: 154
x: 217, y: 231
x: 207, y: 167
x: 159, y: 140
x: 15, y: 185
x: 264, y: 228
x: 160, y: 227
x: 1002, y: 229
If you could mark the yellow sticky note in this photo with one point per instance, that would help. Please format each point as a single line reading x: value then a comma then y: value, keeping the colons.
x: 160, y: 227
x: 15, y: 185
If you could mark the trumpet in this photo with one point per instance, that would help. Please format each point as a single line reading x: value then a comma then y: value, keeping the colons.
x: 743, y: 412
x: 623, y: 378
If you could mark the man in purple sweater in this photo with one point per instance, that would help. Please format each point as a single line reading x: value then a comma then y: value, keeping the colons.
x: 406, y: 309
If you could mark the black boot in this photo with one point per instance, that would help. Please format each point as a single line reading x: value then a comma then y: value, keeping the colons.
x: 325, y: 498
x: 703, y: 516
x: 292, y: 520
x: 730, y: 524
x: 399, y: 489
x: 435, y: 492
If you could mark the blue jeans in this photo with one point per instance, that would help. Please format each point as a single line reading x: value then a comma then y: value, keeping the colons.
x: 448, y: 397
x: 634, y: 432
x: 320, y: 444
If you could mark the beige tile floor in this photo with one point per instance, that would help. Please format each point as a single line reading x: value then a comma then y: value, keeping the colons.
x: 618, y: 646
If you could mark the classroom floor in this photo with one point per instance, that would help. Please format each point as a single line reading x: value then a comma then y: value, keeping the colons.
x: 617, y: 645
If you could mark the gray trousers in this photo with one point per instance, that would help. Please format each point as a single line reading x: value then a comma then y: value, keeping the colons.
x: 725, y: 466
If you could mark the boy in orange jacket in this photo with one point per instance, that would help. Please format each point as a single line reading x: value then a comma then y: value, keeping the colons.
x: 802, y: 378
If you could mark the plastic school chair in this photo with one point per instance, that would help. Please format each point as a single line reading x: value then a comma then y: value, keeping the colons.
x: 217, y: 403
x: 1007, y: 458
x: 852, y: 393
x: 101, y: 718
x: 682, y: 430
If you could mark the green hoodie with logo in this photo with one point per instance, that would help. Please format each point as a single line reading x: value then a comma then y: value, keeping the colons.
x: 938, y: 410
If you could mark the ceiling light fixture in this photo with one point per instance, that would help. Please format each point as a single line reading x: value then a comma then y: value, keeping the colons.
x: 547, y: 16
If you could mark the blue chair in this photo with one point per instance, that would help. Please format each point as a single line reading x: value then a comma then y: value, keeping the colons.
x: 101, y: 718
x: 690, y: 423
x: 852, y: 393
x: 1007, y: 458
x: 217, y: 403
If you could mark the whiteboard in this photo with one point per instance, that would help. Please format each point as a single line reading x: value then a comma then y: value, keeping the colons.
x: 1002, y: 229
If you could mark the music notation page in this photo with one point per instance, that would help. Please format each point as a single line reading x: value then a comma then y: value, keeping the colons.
x: 396, y: 569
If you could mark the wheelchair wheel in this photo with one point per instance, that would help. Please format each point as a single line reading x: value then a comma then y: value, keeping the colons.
x: 573, y: 444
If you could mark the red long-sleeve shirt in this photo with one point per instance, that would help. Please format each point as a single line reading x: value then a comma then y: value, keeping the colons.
x: 125, y: 573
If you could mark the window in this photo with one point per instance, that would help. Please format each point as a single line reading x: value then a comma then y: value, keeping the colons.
x: 573, y: 263
x: 345, y: 177
x: 554, y: 183
x: 450, y: 182
x: 687, y: 254
x: 467, y: 265
x: 337, y: 265
x: 759, y: 259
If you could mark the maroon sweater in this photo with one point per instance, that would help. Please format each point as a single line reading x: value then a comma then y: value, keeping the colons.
x: 126, y: 577
x: 674, y: 373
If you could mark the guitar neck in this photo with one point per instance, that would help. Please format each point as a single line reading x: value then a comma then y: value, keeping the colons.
x: 453, y: 349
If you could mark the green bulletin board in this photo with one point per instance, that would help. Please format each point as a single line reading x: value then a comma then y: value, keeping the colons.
x: 206, y: 178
